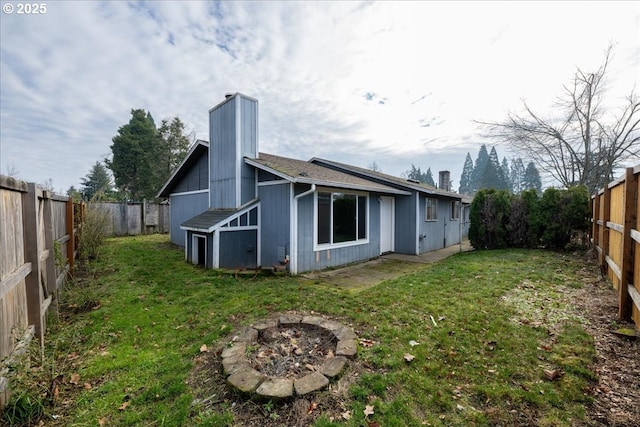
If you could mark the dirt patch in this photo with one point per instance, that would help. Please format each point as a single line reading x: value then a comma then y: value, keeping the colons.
x: 283, y: 351
x: 291, y: 352
x: 617, y: 365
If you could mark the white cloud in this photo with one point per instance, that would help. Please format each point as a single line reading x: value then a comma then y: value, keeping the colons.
x: 69, y: 78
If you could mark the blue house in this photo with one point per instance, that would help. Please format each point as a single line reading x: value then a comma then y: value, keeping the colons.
x: 235, y: 207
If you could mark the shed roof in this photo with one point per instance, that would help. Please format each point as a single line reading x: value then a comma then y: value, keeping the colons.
x: 300, y: 171
x: 208, y: 220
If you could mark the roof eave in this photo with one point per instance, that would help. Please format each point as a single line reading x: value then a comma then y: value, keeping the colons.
x: 170, y: 182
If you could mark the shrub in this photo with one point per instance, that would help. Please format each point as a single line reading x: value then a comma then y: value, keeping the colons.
x: 490, y: 217
x: 92, y: 233
x: 501, y: 220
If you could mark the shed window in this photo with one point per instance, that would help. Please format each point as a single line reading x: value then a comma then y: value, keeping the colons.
x: 431, y: 210
x: 455, y: 210
x: 341, y: 218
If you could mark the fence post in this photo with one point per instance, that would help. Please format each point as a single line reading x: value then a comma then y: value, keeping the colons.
x: 604, y: 229
x: 32, y: 254
x: 49, y: 248
x: 70, y: 230
x: 626, y: 269
x: 595, y: 230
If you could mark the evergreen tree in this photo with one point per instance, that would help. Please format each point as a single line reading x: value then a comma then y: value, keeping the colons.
x: 174, y: 145
x: 136, y: 149
x: 478, y: 169
x: 465, y: 177
x: 428, y: 178
x: 531, y: 178
x: 492, y: 176
x: 506, y: 174
x: 517, y: 175
x: 97, y: 182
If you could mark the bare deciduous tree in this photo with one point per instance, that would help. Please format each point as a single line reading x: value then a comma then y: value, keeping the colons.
x: 582, y: 143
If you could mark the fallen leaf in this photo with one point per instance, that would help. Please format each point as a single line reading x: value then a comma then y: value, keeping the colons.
x: 368, y: 410
x: 373, y: 424
x: 460, y: 407
x: 203, y: 348
x: 413, y: 343
x: 87, y: 386
x: 346, y: 415
x: 138, y: 329
x: 366, y: 343
x: 102, y: 422
x: 409, y: 357
x: 312, y: 407
x: 124, y: 406
x: 75, y: 379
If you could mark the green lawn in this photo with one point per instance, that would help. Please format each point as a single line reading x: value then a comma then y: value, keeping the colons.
x: 487, y: 324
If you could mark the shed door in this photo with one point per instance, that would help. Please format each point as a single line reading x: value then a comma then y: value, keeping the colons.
x: 386, y: 224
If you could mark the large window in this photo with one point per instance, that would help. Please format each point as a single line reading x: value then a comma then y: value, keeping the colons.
x: 341, y: 218
x: 431, y: 210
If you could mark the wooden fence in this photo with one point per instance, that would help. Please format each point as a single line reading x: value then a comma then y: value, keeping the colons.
x: 127, y: 219
x: 37, y: 252
x: 616, y: 237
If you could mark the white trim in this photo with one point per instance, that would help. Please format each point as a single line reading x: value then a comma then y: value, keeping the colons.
x: 195, y: 254
x: 187, y: 193
x: 243, y: 228
x: 324, y: 246
x: 293, y: 262
x: 216, y: 250
x: 293, y: 231
x: 192, y: 149
x: 186, y: 245
x: 417, y: 234
x: 258, y: 237
x: 276, y: 182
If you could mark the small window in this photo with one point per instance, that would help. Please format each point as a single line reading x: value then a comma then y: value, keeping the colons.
x: 455, y: 211
x: 431, y: 211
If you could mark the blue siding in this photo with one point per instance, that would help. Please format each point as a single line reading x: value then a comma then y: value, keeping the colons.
x: 275, y: 205
x: 441, y: 233
x: 233, y: 135
x: 249, y: 146
x: 197, y: 177
x: 183, y: 208
x: 222, y: 157
x: 309, y: 260
x: 239, y: 249
x: 406, y: 234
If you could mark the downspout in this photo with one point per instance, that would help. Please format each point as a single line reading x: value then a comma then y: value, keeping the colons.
x: 293, y: 265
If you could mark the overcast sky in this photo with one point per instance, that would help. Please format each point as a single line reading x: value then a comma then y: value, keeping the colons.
x: 391, y: 82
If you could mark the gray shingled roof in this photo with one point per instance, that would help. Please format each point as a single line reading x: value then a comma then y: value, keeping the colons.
x: 301, y: 171
x: 394, y: 180
x: 208, y: 219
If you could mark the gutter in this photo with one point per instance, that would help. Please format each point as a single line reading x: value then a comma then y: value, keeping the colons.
x: 293, y: 265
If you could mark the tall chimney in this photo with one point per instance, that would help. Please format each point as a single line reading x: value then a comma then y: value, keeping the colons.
x: 445, y: 180
x: 233, y: 135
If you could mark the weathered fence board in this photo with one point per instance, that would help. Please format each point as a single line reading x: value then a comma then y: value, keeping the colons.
x: 616, y: 237
x: 129, y: 219
x: 34, y: 239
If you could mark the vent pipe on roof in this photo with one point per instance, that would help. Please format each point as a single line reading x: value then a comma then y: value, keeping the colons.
x: 228, y: 95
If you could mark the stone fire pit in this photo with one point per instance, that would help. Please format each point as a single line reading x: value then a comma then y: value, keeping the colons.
x: 294, y: 354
